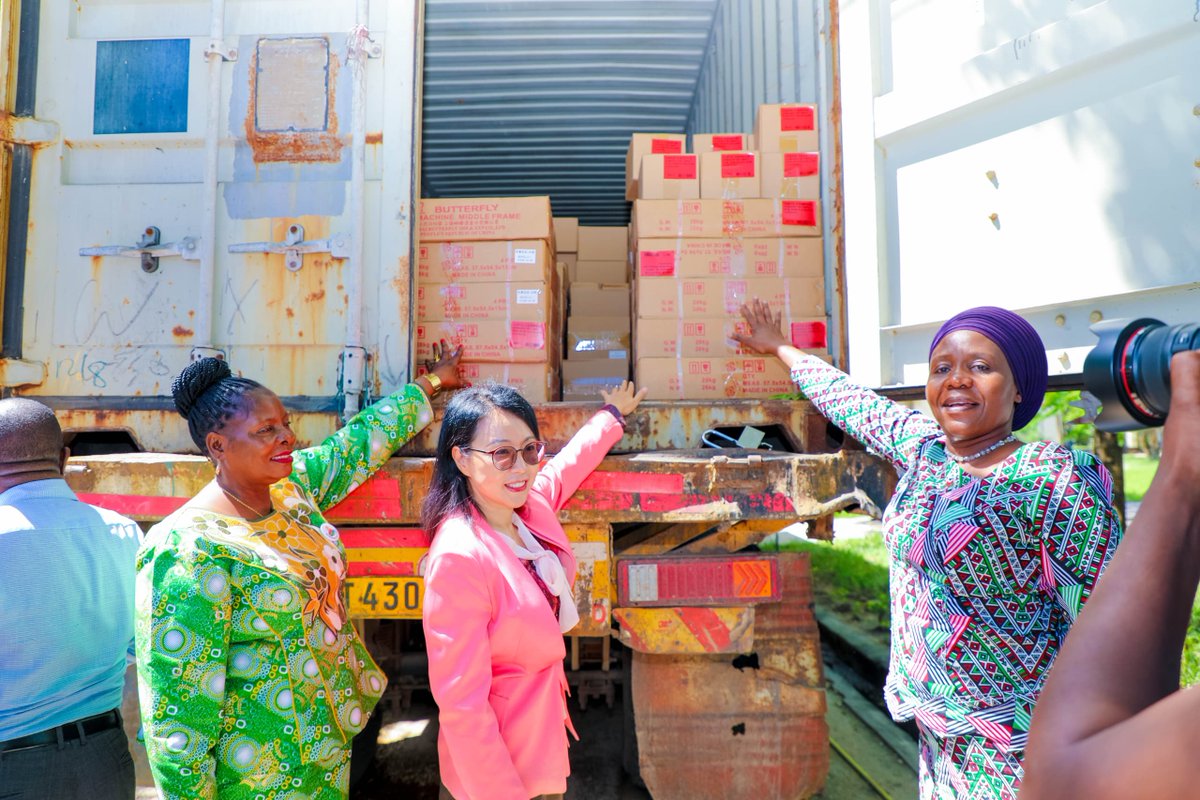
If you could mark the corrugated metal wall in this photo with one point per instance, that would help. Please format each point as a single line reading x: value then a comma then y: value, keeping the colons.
x: 760, y: 51
x: 541, y: 96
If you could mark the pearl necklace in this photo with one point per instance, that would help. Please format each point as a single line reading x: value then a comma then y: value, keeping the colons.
x: 983, y: 452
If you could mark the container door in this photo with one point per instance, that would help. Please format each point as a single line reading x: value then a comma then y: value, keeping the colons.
x: 1036, y: 156
x: 224, y: 178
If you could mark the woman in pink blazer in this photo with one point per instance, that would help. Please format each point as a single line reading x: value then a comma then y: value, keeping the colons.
x: 498, y: 590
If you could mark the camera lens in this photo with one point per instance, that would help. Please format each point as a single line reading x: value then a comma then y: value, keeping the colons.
x: 1129, y: 370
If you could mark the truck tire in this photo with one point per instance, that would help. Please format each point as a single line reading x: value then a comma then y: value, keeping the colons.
x: 629, y: 748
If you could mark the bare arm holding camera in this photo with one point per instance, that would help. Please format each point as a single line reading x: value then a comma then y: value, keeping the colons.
x: 1112, y: 721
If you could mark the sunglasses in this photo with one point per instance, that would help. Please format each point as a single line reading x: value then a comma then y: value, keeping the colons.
x: 504, y: 457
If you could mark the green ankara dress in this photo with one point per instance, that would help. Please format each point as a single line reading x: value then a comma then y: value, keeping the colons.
x: 252, y: 681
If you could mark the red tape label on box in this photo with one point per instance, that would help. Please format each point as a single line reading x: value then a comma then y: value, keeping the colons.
x: 798, y: 165
x: 679, y: 167
x: 666, y: 146
x: 809, y: 335
x: 799, y: 212
x: 731, y: 141
x: 797, y: 118
x: 531, y: 335
x: 737, y: 165
x: 657, y: 263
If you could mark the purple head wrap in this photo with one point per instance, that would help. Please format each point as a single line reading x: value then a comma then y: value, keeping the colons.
x: 1020, y: 344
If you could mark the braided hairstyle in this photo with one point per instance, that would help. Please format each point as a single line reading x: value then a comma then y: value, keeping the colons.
x: 207, y: 394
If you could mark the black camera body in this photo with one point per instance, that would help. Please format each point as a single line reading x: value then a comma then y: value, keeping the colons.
x: 1129, y: 370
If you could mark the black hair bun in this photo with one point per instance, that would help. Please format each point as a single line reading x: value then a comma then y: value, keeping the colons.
x: 196, y: 379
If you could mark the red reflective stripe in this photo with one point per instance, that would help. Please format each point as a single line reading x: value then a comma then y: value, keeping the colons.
x: 378, y: 498
x: 363, y: 569
x: 707, y: 627
x: 135, y: 505
x: 638, y: 482
x: 384, y: 537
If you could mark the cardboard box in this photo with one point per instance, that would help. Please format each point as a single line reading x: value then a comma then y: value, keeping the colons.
x: 708, y: 142
x: 583, y: 380
x: 704, y: 378
x: 494, y: 341
x: 669, y: 176
x: 787, y: 128
x: 732, y: 175
x: 506, y: 301
x: 566, y: 235
x: 601, y: 272
x: 599, y: 300
x: 644, y: 144
x: 537, y: 383
x: 751, y: 218
x: 704, y: 258
x: 592, y: 338
x: 791, y: 175
x: 603, y: 243
x: 483, y: 262
x: 485, y: 219
x: 704, y: 337
x: 671, y: 298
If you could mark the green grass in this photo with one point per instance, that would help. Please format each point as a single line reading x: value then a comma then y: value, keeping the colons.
x: 1139, y: 470
x: 850, y: 579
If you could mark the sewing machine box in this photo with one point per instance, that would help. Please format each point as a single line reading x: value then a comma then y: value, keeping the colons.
x: 669, y: 176
x: 717, y: 377
x: 701, y: 337
x: 566, y: 235
x: 751, y: 218
x: 786, y: 128
x: 597, y: 338
x: 599, y: 300
x: 708, y: 142
x: 583, y: 380
x: 510, y: 300
x: 485, y: 219
x: 484, y: 262
x: 730, y: 175
x: 672, y: 298
x: 778, y: 257
x: 603, y: 243
x: 495, y: 341
x: 644, y: 144
x: 791, y: 175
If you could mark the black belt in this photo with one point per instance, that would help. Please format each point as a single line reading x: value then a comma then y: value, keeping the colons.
x: 88, y: 726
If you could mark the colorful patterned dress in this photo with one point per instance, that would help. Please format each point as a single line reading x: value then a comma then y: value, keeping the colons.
x: 987, y: 575
x: 252, y: 680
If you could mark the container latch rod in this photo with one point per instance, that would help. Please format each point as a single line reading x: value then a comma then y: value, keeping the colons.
x: 149, y: 249
x: 293, y: 247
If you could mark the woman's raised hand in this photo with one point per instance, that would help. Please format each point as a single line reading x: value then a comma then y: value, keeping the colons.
x: 766, y: 329
x: 445, y: 365
x: 624, y: 398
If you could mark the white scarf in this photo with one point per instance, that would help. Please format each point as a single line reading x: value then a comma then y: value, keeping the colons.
x: 550, y: 570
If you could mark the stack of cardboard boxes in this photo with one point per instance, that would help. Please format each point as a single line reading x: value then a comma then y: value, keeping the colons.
x: 598, y: 323
x: 486, y: 279
x: 713, y: 229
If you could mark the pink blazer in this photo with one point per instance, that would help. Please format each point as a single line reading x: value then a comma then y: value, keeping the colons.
x: 495, y: 650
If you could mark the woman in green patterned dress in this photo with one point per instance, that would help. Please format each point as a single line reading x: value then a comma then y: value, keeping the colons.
x: 252, y: 680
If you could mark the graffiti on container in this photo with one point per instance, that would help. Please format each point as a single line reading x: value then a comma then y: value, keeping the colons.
x: 237, y: 312
x: 124, y: 365
x: 86, y: 324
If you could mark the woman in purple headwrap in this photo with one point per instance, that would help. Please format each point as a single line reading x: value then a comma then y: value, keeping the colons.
x: 994, y: 545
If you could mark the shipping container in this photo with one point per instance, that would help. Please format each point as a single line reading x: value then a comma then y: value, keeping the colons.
x: 243, y: 177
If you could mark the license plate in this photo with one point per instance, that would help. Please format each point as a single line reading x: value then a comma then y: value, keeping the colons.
x: 386, y: 598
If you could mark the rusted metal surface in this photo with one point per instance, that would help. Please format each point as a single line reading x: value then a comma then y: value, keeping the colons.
x: 592, y: 545
x: 686, y: 630
x: 665, y: 487
x: 675, y: 425
x: 757, y: 727
x: 730, y: 537
x: 319, y: 145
